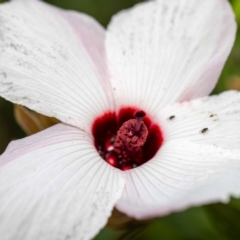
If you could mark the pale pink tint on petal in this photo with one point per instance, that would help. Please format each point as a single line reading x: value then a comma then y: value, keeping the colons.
x: 54, y: 185
x: 52, y: 135
x: 165, y: 51
x: 53, y: 61
x: 199, y: 162
x: 206, y: 82
x: 92, y: 37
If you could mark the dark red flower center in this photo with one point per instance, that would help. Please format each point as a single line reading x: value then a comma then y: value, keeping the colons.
x: 128, y: 139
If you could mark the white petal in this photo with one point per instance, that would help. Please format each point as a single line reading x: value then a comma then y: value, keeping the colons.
x: 53, y: 61
x: 165, y: 51
x: 193, y: 166
x: 54, y: 185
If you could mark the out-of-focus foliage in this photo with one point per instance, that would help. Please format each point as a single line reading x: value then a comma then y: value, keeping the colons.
x: 236, y: 7
x: 216, y: 221
x: 230, y: 78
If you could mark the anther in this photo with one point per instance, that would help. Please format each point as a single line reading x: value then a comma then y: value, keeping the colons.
x: 130, y: 138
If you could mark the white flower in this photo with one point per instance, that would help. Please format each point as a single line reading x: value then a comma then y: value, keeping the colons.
x: 156, y: 57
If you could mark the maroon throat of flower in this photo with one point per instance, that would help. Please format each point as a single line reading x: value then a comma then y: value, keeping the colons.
x: 128, y: 139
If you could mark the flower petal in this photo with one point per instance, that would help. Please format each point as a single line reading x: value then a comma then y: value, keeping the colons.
x: 54, y: 64
x: 193, y: 167
x: 165, y: 51
x: 54, y: 185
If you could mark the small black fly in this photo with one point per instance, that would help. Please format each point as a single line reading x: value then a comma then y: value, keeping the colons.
x: 171, y: 117
x: 204, y: 130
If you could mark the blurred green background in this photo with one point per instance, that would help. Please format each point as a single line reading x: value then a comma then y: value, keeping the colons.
x: 216, y: 221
